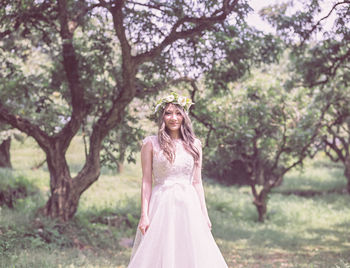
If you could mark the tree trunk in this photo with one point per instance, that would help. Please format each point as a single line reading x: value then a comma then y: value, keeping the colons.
x: 65, y: 191
x: 120, y: 167
x: 347, y: 172
x: 63, y: 202
x: 64, y: 199
x: 5, y: 161
x: 260, y: 202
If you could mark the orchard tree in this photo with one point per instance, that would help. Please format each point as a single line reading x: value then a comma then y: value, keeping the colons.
x: 261, y: 124
x: 321, y: 64
x: 67, y: 62
x: 336, y: 130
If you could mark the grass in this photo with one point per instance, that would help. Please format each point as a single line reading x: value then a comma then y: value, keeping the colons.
x: 300, y: 231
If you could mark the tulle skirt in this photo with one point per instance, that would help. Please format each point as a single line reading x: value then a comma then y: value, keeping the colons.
x: 178, y: 235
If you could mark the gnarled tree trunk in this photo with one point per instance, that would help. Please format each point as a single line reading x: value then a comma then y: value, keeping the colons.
x: 63, y: 201
x: 5, y: 161
x: 65, y: 191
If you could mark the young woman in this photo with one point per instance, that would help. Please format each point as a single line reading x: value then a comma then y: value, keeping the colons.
x: 174, y: 229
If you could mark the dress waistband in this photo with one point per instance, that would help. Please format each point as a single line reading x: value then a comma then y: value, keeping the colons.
x: 169, y: 182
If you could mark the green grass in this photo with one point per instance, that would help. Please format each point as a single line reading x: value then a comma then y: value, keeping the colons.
x: 299, y: 231
x: 318, y: 175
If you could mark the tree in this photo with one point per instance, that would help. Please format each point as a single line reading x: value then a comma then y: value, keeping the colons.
x: 263, y: 125
x: 336, y: 134
x: 93, y: 59
x: 321, y: 64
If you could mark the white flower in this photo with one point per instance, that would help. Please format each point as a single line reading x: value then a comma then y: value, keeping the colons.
x: 182, y: 101
x: 173, y: 98
x: 169, y: 98
x: 56, y: 94
x: 157, y: 108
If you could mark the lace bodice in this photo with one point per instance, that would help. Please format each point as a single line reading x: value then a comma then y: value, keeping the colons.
x: 164, y: 171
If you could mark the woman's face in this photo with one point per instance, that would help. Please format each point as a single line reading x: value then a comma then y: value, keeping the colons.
x: 172, y: 118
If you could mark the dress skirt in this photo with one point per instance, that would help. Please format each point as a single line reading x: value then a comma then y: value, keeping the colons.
x: 178, y: 235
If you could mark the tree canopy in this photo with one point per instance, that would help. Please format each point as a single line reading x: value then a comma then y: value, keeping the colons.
x: 68, y: 62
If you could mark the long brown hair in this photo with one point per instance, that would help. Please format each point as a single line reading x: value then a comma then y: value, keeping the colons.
x: 186, y: 133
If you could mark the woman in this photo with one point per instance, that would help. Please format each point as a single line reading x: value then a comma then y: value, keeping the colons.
x: 174, y: 228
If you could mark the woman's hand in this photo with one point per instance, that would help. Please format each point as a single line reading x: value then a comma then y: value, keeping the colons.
x: 144, y: 224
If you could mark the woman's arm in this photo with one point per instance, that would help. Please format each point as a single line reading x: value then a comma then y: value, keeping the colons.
x: 146, y: 188
x: 198, y: 185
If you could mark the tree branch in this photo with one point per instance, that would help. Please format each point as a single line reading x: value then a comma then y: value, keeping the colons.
x: 70, y: 64
x: 32, y: 16
x: 331, y: 70
x: 118, y: 21
x: 141, y: 91
x: 284, y: 140
x: 329, y: 154
x: 201, y: 23
x: 303, y: 152
x: 333, y: 146
x: 157, y: 7
x: 320, y: 20
x: 25, y: 126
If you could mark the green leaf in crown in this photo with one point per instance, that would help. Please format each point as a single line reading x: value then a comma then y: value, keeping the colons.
x: 173, y: 98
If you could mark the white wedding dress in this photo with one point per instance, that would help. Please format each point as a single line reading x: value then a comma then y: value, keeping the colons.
x: 178, y: 235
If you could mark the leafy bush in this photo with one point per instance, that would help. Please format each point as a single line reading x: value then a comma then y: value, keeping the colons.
x: 14, y: 186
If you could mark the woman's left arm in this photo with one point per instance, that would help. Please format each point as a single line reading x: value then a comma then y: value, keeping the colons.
x: 198, y: 185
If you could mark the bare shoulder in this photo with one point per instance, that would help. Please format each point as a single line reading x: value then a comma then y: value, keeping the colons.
x: 198, y: 143
x: 147, y: 143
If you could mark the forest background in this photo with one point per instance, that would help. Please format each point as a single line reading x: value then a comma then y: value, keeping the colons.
x: 78, y: 84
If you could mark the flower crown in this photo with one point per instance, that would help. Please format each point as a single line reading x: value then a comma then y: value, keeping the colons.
x: 173, y: 98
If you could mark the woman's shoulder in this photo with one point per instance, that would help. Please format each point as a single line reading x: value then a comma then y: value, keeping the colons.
x: 197, y: 143
x: 153, y: 139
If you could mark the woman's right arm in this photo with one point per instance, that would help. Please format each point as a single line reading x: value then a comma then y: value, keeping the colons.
x: 146, y: 188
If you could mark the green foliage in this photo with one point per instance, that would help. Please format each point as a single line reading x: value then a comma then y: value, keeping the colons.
x: 259, y: 126
x: 106, y: 67
x: 122, y: 143
x: 237, y: 50
x: 14, y: 186
x: 260, y: 123
x: 316, y: 61
x: 320, y: 64
x: 11, y: 179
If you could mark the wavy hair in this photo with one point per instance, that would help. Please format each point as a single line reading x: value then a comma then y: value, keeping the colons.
x: 186, y: 134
